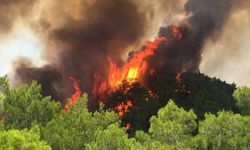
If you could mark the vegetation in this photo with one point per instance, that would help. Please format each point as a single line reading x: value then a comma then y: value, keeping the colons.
x: 22, y: 139
x: 193, y: 91
x: 34, y: 122
x: 242, y: 96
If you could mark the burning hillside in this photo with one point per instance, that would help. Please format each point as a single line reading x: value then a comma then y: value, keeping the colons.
x: 91, y: 42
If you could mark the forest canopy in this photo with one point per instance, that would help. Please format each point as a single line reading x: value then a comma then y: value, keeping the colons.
x: 213, y: 116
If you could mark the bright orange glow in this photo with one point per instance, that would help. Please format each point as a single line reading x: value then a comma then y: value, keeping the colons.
x: 77, y: 94
x: 181, y: 87
x: 132, y: 74
x: 130, y: 71
x: 123, y: 108
x: 134, y: 69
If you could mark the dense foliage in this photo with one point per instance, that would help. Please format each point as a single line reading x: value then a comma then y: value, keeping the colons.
x: 32, y: 121
x: 22, y: 139
x: 193, y: 91
x: 242, y: 96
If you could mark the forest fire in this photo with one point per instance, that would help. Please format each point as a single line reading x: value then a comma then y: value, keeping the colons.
x: 124, y: 74
x: 123, y: 108
x: 131, y: 71
x: 76, y: 94
x: 181, y: 87
x: 135, y: 68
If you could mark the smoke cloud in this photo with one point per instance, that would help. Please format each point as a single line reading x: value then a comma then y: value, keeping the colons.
x: 80, y: 45
x: 206, y: 20
x: 82, y: 35
x: 228, y: 56
x: 11, y: 10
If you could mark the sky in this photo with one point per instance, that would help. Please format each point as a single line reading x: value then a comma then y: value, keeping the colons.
x: 21, y: 42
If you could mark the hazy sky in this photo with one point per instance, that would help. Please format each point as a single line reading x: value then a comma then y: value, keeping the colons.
x: 21, y: 42
x: 228, y: 57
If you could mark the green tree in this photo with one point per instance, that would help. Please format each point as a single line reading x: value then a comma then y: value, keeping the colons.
x: 4, y: 89
x: 227, y: 131
x: 172, y: 124
x: 112, y: 138
x: 1, y: 105
x: 242, y: 96
x: 172, y: 127
x: 148, y: 143
x: 22, y: 140
x: 25, y: 105
x: 192, y: 91
x: 77, y: 126
x: 4, y: 85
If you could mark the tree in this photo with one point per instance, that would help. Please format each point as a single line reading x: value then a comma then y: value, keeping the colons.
x: 242, y: 96
x: 227, y: 131
x: 143, y: 106
x: 172, y: 124
x: 206, y: 95
x: 4, y: 85
x: 4, y: 89
x: 1, y: 105
x: 114, y: 137
x: 22, y: 140
x: 192, y: 91
x: 76, y: 127
x: 148, y: 143
x: 25, y: 105
x: 172, y: 127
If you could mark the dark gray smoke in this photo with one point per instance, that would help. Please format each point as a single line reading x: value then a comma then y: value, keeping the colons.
x: 102, y: 29
x: 207, y: 18
x: 84, y: 45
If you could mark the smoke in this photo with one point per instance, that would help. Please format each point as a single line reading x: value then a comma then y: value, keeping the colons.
x: 80, y: 43
x: 228, y: 56
x: 11, y: 10
x: 205, y: 20
x: 82, y: 35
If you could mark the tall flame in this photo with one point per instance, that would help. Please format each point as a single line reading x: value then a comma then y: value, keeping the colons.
x: 130, y: 71
x: 76, y: 94
x: 135, y: 67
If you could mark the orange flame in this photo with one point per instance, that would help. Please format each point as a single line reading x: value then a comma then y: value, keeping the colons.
x: 123, y: 108
x: 77, y: 94
x: 131, y: 71
x: 181, y: 87
x: 135, y: 67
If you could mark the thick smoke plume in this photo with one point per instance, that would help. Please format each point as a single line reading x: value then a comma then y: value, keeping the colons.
x: 83, y: 35
x: 82, y: 45
x: 206, y: 19
x: 11, y: 10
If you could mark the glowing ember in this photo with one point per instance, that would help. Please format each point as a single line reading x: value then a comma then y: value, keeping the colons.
x: 77, y: 94
x: 123, y: 108
x: 128, y: 126
x: 181, y: 87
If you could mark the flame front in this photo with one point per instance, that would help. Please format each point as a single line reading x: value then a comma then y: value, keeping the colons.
x: 130, y: 71
x: 77, y: 94
x: 133, y: 70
